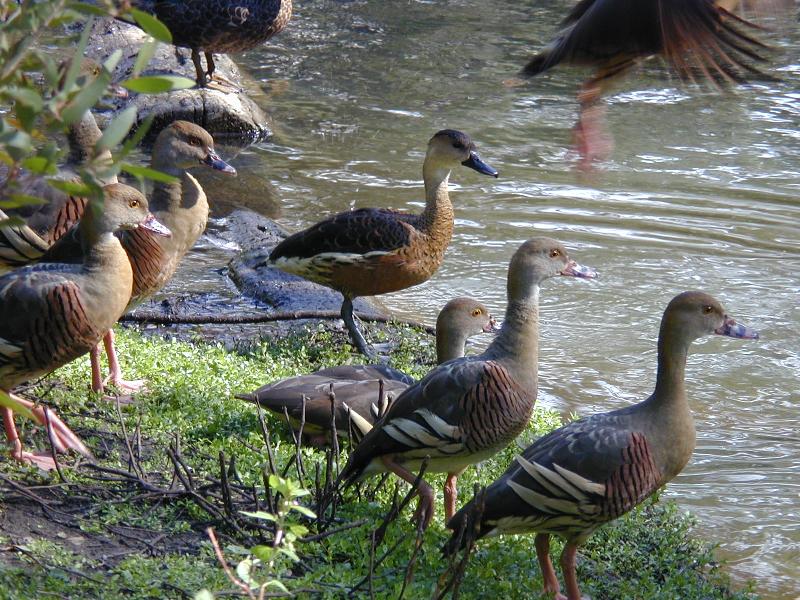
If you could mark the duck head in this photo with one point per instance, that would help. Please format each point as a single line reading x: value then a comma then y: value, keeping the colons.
x: 183, y: 145
x: 449, y: 147
x: 694, y: 314
x: 125, y: 207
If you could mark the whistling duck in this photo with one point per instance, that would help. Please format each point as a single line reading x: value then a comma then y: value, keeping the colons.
x: 371, y: 251
x: 356, y: 387
x: 181, y: 205
x: 697, y: 37
x: 594, y: 470
x: 210, y: 26
x: 466, y: 410
x: 52, y: 313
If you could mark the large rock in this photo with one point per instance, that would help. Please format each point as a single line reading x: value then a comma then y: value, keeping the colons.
x: 228, y: 115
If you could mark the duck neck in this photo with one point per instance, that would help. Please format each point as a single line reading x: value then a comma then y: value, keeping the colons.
x: 517, y: 343
x: 449, y: 346
x: 102, y: 252
x: 437, y: 218
x: 670, y: 380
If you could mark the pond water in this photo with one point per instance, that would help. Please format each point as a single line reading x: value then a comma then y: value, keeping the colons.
x: 701, y: 192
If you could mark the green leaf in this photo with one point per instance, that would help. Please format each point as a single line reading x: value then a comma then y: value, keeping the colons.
x: 40, y: 165
x: 261, y: 515
x: 17, y: 200
x: 152, y: 26
x: 290, y: 553
x: 158, y: 84
x: 276, y: 584
x: 244, y: 570
x: 86, y: 98
x: 88, y: 9
x: 146, y: 51
x: 298, y: 530
x: 27, y: 97
x: 264, y: 553
x: 116, y: 131
x: 113, y: 60
x: 204, y: 594
x: 148, y: 173
x: 73, y: 188
x: 303, y: 510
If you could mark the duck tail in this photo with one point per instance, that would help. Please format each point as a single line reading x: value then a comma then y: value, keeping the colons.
x: 538, y: 64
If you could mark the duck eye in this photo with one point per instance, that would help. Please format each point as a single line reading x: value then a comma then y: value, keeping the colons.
x: 458, y: 145
x: 476, y: 312
x: 133, y: 203
x: 555, y: 252
x: 707, y: 309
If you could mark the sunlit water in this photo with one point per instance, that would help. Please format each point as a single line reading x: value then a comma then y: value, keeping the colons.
x: 701, y: 192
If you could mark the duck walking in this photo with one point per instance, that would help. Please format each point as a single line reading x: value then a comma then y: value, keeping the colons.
x: 466, y: 410
x: 357, y: 387
x: 571, y: 481
x: 370, y: 251
x: 210, y: 26
x: 52, y: 313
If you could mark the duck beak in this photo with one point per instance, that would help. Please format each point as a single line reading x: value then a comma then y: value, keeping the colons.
x: 151, y: 224
x: 213, y: 160
x: 474, y: 162
x: 573, y: 269
x: 735, y: 330
x: 492, y: 326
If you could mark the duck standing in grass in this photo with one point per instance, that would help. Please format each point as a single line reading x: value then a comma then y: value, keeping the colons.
x: 370, y: 251
x: 52, y: 313
x: 468, y: 409
x: 210, y: 26
x: 357, y: 387
x: 181, y: 205
x: 699, y: 38
x: 591, y: 471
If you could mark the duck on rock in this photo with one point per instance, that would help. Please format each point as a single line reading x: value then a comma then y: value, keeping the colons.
x: 468, y: 409
x: 52, y: 313
x: 356, y: 388
x: 370, y: 251
x: 225, y: 26
x: 591, y: 471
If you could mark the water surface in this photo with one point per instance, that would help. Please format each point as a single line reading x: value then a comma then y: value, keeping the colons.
x: 701, y: 192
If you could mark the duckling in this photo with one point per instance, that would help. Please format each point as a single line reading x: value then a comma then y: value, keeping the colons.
x: 370, y: 251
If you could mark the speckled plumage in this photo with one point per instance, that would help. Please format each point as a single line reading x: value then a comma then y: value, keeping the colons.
x: 468, y: 409
x: 357, y: 387
x: 372, y: 251
x: 593, y: 470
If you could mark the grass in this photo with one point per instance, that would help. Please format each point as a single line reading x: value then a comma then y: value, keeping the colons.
x: 96, y: 535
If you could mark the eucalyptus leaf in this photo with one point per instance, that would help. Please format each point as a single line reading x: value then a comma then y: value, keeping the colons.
x: 72, y: 188
x: 276, y: 584
x: 18, y: 200
x: 158, y: 84
x: 86, y: 98
x: 303, y: 510
x: 204, y: 594
x: 116, y: 131
x: 152, y: 26
x: 146, y: 51
x: 113, y: 60
x: 261, y: 515
x: 40, y: 165
x: 148, y: 173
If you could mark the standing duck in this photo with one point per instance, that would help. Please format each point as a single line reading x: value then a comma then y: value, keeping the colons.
x: 181, y: 205
x: 371, y: 251
x: 697, y: 37
x: 466, y: 410
x: 594, y: 470
x: 210, y: 26
x: 357, y: 387
x: 52, y: 313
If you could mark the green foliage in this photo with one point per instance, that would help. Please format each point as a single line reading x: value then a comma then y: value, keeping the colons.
x: 649, y: 554
x: 41, y: 108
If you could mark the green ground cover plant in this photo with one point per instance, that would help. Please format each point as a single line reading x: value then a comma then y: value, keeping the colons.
x: 187, y: 456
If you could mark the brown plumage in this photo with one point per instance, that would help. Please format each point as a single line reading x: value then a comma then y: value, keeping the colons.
x: 52, y: 313
x: 468, y: 409
x: 210, y: 26
x: 373, y: 251
x: 182, y: 206
x: 700, y: 39
x: 596, y: 469
x: 356, y: 387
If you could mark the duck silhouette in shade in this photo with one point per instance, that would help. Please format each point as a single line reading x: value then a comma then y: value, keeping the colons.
x: 370, y: 251
x: 700, y: 39
x: 218, y: 26
x: 594, y: 470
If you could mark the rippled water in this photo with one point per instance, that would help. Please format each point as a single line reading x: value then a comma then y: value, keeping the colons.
x: 701, y: 192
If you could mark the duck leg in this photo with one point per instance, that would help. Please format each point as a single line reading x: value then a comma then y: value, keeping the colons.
x: 450, y: 495
x: 114, y: 370
x: 542, y: 543
x: 592, y: 139
x: 424, y: 512
x: 218, y: 83
x: 200, y: 79
x: 355, y: 334
x: 568, y: 569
